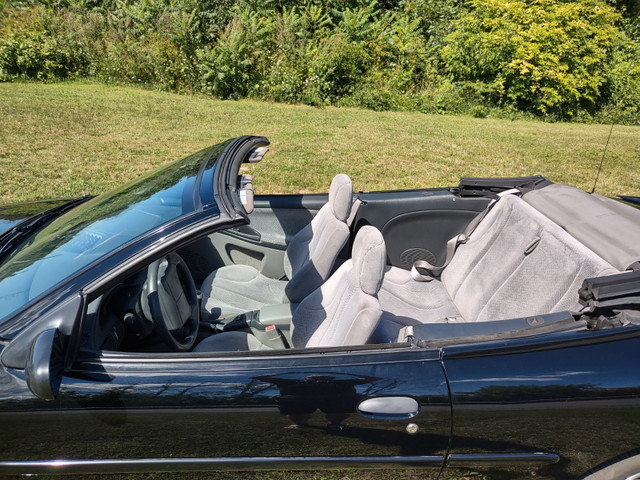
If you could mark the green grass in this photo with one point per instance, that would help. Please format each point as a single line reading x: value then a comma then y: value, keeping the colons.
x: 69, y: 139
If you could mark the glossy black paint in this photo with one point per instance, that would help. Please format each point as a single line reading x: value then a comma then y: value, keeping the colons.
x: 265, y: 406
x: 576, y: 395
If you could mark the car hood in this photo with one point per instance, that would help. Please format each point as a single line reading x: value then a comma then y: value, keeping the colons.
x: 13, y: 213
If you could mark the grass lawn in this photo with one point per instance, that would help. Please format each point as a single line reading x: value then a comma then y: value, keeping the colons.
x: 69, y: 139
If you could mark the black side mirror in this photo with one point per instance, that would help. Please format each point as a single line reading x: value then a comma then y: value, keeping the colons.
x: 45, y: 365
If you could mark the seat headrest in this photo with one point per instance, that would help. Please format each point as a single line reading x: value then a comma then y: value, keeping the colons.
x: 341, y: 196
x: 369, y: 256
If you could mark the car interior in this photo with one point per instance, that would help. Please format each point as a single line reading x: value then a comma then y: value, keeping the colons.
x: 381, y: 268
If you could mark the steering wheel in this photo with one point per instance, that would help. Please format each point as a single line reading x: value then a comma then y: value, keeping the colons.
x: 170, y: 300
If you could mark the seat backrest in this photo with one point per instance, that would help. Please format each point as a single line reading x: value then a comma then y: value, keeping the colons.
x: 312, y: 252
x: 518, y: 262
x: 345, y: 309
x: 607, y: 227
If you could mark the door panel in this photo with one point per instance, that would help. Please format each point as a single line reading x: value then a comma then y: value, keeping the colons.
x: 279, y: 217
x: 416, y: 224
x: 265, y: 259
x: 248, y: 410
x: 274, y: 221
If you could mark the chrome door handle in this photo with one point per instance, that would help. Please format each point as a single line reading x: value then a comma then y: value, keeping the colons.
x: 389, y: 408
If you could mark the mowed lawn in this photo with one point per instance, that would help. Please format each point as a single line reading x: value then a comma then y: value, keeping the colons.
x: 69, y: 139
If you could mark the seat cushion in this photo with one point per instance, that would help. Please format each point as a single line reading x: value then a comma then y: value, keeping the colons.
x: 310, y: 256
x: 235, y: 289
x: 516, y: 263
x: 345, y: 309
x: 407, y: 302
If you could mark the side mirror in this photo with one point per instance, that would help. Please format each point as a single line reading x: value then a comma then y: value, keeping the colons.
x: 45, y: 365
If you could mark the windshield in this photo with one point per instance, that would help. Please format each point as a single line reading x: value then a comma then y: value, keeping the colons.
x: 97, y: 227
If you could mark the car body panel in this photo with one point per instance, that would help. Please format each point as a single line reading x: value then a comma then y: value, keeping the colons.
x: 268, y: 407
x: 571, y: 394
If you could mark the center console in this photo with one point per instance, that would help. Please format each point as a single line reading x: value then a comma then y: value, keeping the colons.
x: 271, y: 324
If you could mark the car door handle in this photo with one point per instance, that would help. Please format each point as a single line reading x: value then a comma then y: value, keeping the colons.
x: 389, y: 408
x: 245, y: 232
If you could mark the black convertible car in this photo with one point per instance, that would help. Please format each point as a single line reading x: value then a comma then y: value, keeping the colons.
x: 181, y: 324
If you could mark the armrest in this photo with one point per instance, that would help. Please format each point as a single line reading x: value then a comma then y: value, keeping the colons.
x: 278, y: 315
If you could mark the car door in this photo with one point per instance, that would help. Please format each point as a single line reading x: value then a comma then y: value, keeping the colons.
x: 291, y: 409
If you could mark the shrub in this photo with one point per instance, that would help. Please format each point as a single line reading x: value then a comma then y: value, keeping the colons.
x: 545, y: 56
x: 288, y: 65
x: 234, y: 66
x: 574, y: 59
x: 34, y: 46
x: 623, y: 105
x: 435, y: 20
x: 336, y: 65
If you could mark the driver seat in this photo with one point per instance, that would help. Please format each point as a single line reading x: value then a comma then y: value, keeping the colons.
x: 308, y: 261
x: 343, y: 311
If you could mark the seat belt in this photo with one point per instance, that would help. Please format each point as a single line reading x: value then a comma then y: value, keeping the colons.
x: 354, y: 210
x: 423, y: 271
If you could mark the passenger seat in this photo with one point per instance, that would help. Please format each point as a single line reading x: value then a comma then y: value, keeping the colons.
x: 343, y: 311
x: 308, y: 262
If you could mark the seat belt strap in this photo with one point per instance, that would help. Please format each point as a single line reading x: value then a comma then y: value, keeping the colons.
x: 423, y: 271
x: 354, y: 210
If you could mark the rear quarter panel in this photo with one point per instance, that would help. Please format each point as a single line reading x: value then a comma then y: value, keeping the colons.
x: 576, y: 395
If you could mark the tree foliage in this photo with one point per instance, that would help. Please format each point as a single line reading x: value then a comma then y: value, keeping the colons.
x: 543, y: 55
x: 551, y: 58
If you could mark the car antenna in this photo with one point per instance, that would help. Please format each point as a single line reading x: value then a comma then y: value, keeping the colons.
x: 603, y: 155
x: 613, y: 122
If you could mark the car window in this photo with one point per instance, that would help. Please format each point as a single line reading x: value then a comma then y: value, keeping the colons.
x: 91, y: 230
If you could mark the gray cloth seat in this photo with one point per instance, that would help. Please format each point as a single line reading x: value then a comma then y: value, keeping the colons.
x: 343, y: 311
x: 516, y: 263
x: 308, y: 262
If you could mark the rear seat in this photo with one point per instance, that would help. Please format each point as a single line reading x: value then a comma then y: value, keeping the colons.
x: 516, y: 263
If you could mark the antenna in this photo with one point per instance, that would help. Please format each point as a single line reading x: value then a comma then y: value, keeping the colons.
x: 602, y: 160
x: 610, y: 132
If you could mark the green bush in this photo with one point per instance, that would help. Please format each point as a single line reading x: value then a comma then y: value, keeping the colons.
x: 234, y: 66
x: 288, y: 66
x: 34, y: 46
x: 573, y: 59
x: 623, y: 105
x: 336, y: 66
x: 545, y: 56
x: 435, y: 19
